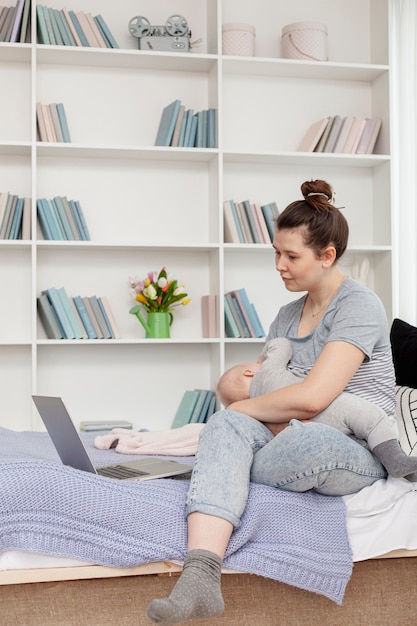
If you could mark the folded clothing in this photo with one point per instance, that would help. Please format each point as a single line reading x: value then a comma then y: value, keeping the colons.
x: 181, y: 441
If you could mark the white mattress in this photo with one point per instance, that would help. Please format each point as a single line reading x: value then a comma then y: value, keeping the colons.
x: 380, y: 518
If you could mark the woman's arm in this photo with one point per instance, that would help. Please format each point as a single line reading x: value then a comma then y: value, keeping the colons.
x: 332, y: 371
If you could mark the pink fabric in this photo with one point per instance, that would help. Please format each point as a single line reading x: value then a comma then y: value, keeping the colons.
x: 181, y: 441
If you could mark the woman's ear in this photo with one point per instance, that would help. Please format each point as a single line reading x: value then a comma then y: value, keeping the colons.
x: 329, y: 256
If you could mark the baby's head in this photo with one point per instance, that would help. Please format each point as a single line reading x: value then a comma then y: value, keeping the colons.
x: 234, y: 384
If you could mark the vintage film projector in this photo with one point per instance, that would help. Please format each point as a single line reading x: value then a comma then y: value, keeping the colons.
x: 174, y: 36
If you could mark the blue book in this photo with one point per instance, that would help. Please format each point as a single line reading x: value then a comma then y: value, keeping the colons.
x: 270, y: 217
x: 99, y: 317
x: 85, y: 318
x: 78, y: 332
x: 55, y: 33
x: 212, y: 128
x: 60, y: 210
x: 185, y: 409
x: 64, y: 29
x: 203, y: 413
x: 106, y: 318
x: 193, y: 132
x: 240, y: 320
x: 43, y: 221
x: 189, y: 121
x: 16, y: 219
x: 237, y: 221
x: 108, y: 37
x: 80, y: 219
x: 77, y: 26
x: 182, y: 131
x: 167, y: 123
x: 63, y: 122
x: 202, y: 393
x: 64, y: 323
x: 212, y: 408
x: 257, y: 326
x: 52, y: 219
x: 199, y: 141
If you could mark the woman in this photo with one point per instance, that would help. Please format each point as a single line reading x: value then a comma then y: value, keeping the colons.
x: 340, y: 340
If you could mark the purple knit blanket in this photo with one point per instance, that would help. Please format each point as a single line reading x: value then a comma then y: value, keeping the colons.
x: 299, y: 539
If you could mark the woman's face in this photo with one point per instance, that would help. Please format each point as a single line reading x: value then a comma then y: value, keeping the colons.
x: 298, y: 265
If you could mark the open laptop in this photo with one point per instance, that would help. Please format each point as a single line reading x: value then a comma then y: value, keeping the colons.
x: 71, y: 450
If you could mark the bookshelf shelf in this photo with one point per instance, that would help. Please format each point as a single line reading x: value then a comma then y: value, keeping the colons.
x: 148, y: 206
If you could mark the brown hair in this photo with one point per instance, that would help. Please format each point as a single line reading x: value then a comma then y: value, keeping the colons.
x: 322, y: 223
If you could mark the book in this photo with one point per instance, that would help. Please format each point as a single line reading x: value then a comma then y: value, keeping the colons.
x: 71, y: 26
x: 71, y: 224
x: 353, y: 138
x: 370, y: 132
x: 48, y: 318
x: 63, y: 321
x: 78, y: 318
x: 177, y: 129
x: 202, y: 395
x: 343, y: 134
x: 263, y: 229
x: 230, y: 326
x: 212, y: 407
x: 26, y: 232
x: 43, y: 136
x: 251, y: 311
x: 63, y: 121
x: 333, y: 134
x: 66, y: 33
x: 16, y: 220
x: 8, y: 216
x: 105, y: 303
x: 99, y: 317
x: 15, y: 34
x: 4, y: 196
x: 205, y: 407
x: 244, y: 311
x: 57, y: 205
x: 323, y: 139
x: 231, y: 232
x: 92, y: 317
x: 189, y: 122
x: 80, y: 219
x: 56, y: 122
x: 253, y: 225
x: 199, y: 142
x: 182, y: 130
x: 52, y: 25
x: 185, y: 408
x: 10, y: 23
x: 237, y: 316
x: 25, y: 22
x: 167, y: 123
x: 74, y: 19
x: 212, y: 128
x: 244, y: 221
x: 7, y: 22
x: 89, y: 34
x: 313, y: 135
x: 209, y: 315
x: 112, y: 43
x: 47, y: 118
x: 97, y: 33
x: 193, y: 131
x: 270, y: 213
x: 85, y: 317
x: 54, y: 223
x: 73, y: 319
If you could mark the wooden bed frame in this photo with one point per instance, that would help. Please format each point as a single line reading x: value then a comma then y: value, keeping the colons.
x: 381, y: 592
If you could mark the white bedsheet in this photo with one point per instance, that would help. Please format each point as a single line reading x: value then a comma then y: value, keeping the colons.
x: 380, y: 518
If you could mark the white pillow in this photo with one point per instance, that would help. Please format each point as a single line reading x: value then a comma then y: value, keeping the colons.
x: 407, y: 418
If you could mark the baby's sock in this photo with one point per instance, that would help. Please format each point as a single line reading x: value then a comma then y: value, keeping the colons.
x: 196, y: 594
x: 397, y: 463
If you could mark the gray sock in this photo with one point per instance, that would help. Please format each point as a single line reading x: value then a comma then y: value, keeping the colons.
x: 196, y: 594
x: 397, y: 463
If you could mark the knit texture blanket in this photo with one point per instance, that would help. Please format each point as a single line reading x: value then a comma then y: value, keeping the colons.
x: 299, y: 539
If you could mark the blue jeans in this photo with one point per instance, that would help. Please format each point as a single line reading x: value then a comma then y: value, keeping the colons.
x: 235, y: 449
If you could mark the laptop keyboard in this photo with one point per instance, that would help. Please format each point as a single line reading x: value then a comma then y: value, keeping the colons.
x: 120, y: 471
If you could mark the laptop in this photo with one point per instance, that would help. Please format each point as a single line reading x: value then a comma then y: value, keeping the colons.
x: 71, y: 450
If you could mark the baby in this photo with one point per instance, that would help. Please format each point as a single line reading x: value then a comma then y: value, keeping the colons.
x: 349, y: 413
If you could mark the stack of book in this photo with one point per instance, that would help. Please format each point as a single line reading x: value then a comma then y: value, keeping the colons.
x: 69, y: 28
x: 183, y: 128
x: 248, y: 222
x: 15, y: 22
x: 196, y: 407
x: 240, y: 316
x: 14, y: 216
x: 79, y: 317
x: 51, y: 122
x: 348, y: 135
x: 61, y: 218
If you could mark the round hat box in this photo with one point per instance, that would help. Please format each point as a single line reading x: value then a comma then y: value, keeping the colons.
x: 304, y: 40
x: 238, y: 39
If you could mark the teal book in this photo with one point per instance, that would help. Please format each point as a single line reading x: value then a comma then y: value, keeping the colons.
x: 249, y: 307
x: 99, y: 317
x: 80, y: 219
x: 43, y: 36
x: 237, y: 221
x: 106, y: 319
x: 71, y: 223
x: 78, y: 332
x: 199, y: 140
x: 105, y: 31
x: 66, y: 33
x: 63, y: 121
x: 77, y: 26
x: 204, y: 409
x: 247, y: 207
x: 16, y: 223
x: 64, y: 322
x: 55, y: 36
x: 185, y: 409
x: 212, y: 408
x: 189, y: 122
x: 182, y: 131
x: 231, y: 328
x: 240, y: 318
x: 25, y: 22
x: 202, y: 394
x: 167, y: 123
x: 85, y: 318
x: 270, y: 215
x: 59, y: 208
x: 212, y: 128
x: 50, y: 215
x: 244, y: 308
x: 43, y: 220
x: 259, y: 327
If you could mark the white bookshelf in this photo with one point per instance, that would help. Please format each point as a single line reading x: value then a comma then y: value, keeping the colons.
x: 148, y: 206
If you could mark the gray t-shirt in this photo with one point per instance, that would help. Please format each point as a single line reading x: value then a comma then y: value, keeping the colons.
x: 356, y: 315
